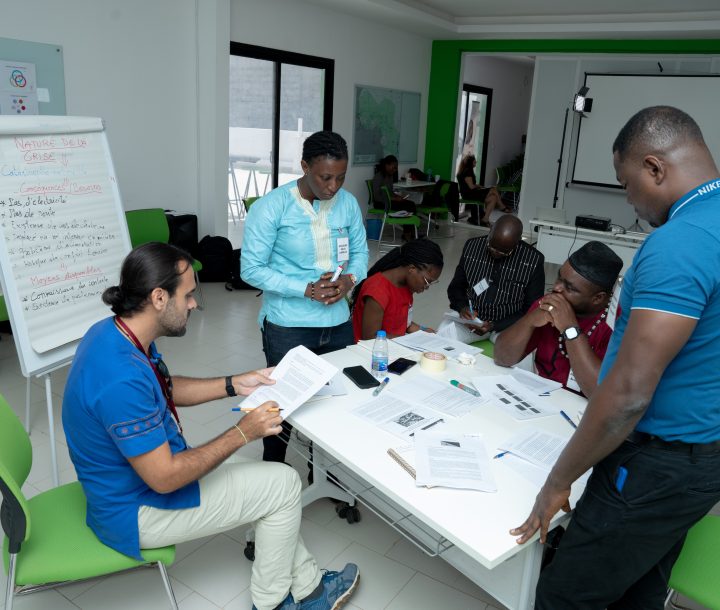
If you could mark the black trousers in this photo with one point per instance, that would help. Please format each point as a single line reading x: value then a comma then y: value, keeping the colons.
x: 620, y: 546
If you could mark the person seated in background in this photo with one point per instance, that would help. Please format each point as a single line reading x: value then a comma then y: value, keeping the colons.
x: 567, y: 327
x: 469, y: 189
x: 385, y: 173
x: 499, y: 275
x: 384, y: 301
x: 145, y: 486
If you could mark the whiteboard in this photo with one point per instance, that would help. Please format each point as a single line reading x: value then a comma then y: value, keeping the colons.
x: 616, y: 97
x: 63, y: 234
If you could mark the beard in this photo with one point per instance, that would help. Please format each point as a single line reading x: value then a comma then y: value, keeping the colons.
x: 174, y: 325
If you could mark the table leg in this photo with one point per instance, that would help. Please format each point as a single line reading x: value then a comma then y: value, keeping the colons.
x: 51, y: 428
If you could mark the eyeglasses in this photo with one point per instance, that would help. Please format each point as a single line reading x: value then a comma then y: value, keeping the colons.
x: 500, y: 252
x: 428, y: 284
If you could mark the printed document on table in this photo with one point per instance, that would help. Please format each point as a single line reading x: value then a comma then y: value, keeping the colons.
x: 397, y: 416
x: 395, y: 350
x: 536, y: 446
x: 536, y: 384
x: 533, y: 453
x: 298, y: 376
x: 515, y: 399
x: 452, y: 460
x: 429, y: 342
x: 334, y: 387
x: 439, y: 396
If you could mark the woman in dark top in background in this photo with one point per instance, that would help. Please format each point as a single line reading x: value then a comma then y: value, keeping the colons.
x: 385, y: 172
x: 469, y: 189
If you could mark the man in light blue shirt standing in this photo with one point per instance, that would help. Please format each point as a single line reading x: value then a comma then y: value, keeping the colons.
x: 296, y: 237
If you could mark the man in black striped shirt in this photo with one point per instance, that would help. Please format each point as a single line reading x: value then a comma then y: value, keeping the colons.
x: 499, y: 275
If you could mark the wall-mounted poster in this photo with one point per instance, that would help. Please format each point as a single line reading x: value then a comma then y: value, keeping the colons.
x: 387, y: 122
x: 18, y: 88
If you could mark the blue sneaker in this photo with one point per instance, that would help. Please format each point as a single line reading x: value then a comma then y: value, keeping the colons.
x: 337, y: 589
x: 287, y: 604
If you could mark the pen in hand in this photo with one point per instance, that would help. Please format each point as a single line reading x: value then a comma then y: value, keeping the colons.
x: 337, y: 273
x: 472, y: 314
x: 249, y: 409
x: 380, y: 388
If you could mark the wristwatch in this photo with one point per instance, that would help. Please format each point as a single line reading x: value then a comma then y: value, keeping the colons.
x: 572, y: 332
x: 229, y: 388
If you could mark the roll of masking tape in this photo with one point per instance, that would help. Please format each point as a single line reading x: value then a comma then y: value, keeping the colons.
x: 433, y: 362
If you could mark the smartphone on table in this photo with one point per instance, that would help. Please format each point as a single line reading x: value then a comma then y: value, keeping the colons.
x: 400, y: 365
x: 361, y: 377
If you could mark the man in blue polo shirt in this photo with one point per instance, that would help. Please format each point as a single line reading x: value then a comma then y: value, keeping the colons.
x: 145, y: 486
x: 652, y: 428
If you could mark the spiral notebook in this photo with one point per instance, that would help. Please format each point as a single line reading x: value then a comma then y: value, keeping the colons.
x: 404, y: 456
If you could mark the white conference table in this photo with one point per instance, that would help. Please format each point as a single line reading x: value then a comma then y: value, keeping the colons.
x: 469, y: 529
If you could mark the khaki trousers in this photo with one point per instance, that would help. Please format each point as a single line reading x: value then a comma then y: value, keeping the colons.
x: 234, y: 494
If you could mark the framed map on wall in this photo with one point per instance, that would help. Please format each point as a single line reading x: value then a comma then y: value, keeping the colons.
x: 387, y: 122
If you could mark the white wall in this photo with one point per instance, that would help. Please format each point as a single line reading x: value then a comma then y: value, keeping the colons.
x: 365, y: 53
x: 511, y: 82
x: 556, y: 81
x: 133, y: 63
x: 156, y: 72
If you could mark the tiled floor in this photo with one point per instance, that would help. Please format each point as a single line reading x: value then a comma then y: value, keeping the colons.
x: 212, y: 573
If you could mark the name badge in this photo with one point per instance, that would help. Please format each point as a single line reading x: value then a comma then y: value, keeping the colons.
x: 343, y: 249
x: 572, y: 383
x: 481, y: 286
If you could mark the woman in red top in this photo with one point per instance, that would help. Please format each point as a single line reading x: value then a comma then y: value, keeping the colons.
x: 384, y: 300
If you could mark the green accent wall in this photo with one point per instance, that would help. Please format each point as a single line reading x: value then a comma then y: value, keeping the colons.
x: 445, y: 77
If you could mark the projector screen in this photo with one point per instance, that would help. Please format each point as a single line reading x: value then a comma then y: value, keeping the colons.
x: 617, y: 97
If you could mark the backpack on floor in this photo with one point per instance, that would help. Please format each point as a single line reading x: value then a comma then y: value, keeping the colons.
x: 236, y: 282
x: 215, y: 253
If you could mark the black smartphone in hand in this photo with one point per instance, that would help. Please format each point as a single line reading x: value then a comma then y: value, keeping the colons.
x: 361, y: 377
x: 400, y: 365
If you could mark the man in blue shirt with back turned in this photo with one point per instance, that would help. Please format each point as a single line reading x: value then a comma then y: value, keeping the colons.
x: 651, y: 431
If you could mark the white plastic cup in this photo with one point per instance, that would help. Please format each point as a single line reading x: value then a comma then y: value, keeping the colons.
x: 437, y: 177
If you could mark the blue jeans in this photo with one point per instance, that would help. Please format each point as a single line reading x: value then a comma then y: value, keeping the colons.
x: 621, y: 544
x: 278, y: 341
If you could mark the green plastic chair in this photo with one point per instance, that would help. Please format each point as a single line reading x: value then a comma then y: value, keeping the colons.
x: 487, y: 346
x: 392, y: 221
x: 248, y: 201
x: 429, y: 210
x: 4, y: 316
x: 695, y: 573
x: 505, y: 181
x: 151, y: 225
x: 47, y: 542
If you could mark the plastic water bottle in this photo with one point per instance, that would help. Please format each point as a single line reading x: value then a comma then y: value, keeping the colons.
x: 380, y: 355
x: 429, y: 174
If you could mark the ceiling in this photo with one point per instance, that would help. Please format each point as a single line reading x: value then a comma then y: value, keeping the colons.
x: 477, y: 19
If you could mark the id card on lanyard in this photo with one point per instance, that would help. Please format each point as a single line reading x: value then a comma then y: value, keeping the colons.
x: 343, y: 248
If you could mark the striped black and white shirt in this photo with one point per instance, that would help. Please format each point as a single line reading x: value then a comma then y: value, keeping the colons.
x: 515, y: 282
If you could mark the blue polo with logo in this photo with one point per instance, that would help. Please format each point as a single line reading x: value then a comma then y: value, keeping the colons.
x: 114, y: 409
x: 677, y: 270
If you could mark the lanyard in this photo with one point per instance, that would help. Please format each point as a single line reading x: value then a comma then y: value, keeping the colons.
x: 165, y: 382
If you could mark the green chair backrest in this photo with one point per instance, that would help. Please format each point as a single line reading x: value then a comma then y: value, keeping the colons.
x: 248, y: 201
x: 147, y: 225
x: 371, y: 199
x: 3, y: 310
x: 15, y: 463
x: 386, y: 199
